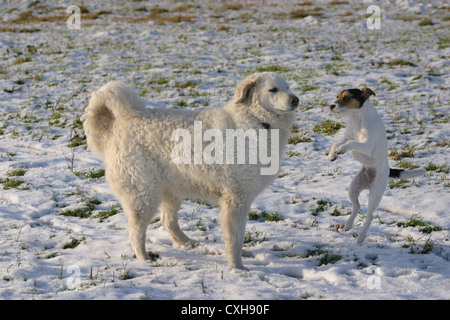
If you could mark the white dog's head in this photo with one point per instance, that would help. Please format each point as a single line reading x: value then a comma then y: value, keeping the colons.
x: 350, y: 100
x: 270, y: 90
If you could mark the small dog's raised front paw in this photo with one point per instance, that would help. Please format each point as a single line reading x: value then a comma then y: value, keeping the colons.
x: 340, y: 150
x: 332, y: 156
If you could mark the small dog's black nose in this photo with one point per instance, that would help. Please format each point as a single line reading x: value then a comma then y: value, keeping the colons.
x: 332, y: 106
x: 293, y: 100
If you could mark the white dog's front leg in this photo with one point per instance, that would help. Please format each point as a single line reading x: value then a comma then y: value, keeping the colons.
x: 364, y: 148
x: 233, y: 218
x: 332, y: 155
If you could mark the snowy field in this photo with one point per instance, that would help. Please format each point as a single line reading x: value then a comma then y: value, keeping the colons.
x: 64, y: 236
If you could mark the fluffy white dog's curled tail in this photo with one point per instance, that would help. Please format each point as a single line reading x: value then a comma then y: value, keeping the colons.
x: 113, y: 100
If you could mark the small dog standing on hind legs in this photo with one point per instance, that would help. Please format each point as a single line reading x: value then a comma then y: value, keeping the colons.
x: 365, y: 136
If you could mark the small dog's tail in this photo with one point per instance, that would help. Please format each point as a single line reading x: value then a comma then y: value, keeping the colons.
x: 406, y: 174
x: 112, y: 101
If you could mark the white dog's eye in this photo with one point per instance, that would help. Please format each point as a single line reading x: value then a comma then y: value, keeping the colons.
x: 273, y: 90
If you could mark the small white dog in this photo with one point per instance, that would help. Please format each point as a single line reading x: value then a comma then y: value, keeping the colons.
x: 137, y: 147
x: 365, y: 136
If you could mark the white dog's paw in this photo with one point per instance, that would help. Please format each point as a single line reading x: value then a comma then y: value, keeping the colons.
x: 360, y: 239
x: 190, y: 243
x: 332, y: 156
x: 341, y: 150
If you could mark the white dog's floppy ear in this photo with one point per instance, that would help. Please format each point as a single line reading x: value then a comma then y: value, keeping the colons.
x: 366, y: 93
x: 244, y: 89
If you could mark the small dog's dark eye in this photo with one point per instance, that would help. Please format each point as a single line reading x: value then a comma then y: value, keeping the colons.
x: 347, y: 98
x: 273, y: 90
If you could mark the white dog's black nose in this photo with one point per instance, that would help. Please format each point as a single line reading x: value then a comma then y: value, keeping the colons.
x: 332, y: 106
x: 293, y: 100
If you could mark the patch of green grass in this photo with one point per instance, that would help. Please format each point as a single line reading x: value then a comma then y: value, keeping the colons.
x: 19, y: 172
x: 83, y: 212
x: 423, y: 226
x: 153, y: 256
x: 322, y: 205
x: 57, y: 120
x: 159, y: 81
x: 265, y: 216
x: 328, y: 127
x: 187, y: 84
x: 126, y: 275
x: 445, y: 143
x: 325, y: 258
x: 400, y: 62
x: 232, y: 6
x: 103, y: 215
x: 253, y: 237
x: 437, y: 168
x: 407, y: 151
x: 77, y: 123
x: 181, y: 103
x: 291, y: 154
x: 51, y: 255
x: 253, y: 215
x: 336, y: 212
x: 303, y: 13
x: 415, y: 248
x: 91, y: 174
x: 77, y: 140
x: 426, y: 22
x: 22, y: 59
x: 73, y: 243
x: 12, y: 183
x: 199, y: 225
x: 308, y: 87
x: 272, y: 68
x: 272, y: 216
x: 400, y: 183
x: 299, y: 137
x: 392, y: 85
x: 338, y: 2
x: 328, y: 257
x: 407, y: 165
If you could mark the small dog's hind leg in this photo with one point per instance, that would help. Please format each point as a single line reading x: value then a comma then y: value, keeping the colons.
x: 169, y: 219
x: 358, y: 184
x: 376, y: 193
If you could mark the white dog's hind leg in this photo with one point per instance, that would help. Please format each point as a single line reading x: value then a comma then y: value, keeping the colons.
x: 169, y: 219
x: 358, y: 184
x: 137, y: 239
x: 376, y: 193
x: 233, y: 217
x: 138, y: 220
x: 139, y: 197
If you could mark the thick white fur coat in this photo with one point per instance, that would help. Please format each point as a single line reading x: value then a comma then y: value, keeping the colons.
x: 136, y: 146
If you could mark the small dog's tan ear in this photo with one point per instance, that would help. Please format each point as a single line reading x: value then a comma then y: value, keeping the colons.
x: 244, y: 89
x: 366, y: 93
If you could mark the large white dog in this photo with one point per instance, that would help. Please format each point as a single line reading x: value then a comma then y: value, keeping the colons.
x: 144, y: 172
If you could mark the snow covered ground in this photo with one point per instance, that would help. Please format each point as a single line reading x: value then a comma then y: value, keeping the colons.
x: 64, y: 236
